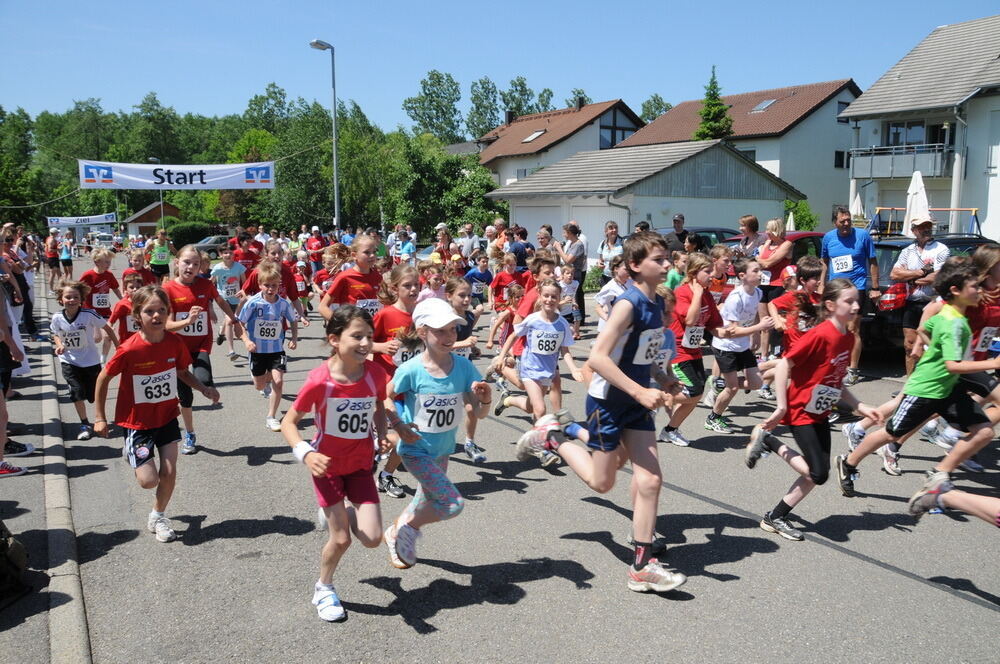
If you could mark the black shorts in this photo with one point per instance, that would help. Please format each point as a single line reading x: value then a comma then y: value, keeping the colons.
x: 813, y: 441
x: 980, y: 383
x: 691, y: 374
x: 141, y: 443
x: 263, y: 363
x: 5, y: 375
x: 768, y: 293
x: 731, y: 361
x: 912, y: 311
x: 160, y: 270
x: 66, y: 262
x: 81, y: 381
x: 52, y: 262
x: 958, y: 409
x: 201, y: 367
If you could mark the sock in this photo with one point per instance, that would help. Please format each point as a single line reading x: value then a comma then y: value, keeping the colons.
x: 713, y: 415
x: 84, y: 421
x: 468, y: 441
x: 781, y: 510
x: 505, y: 401
x: 573, y: 430
x: 894, y: 448
x: 155, y: 514
x: 670, y: 428
x: 643, y: 550
x: 772, y: 443
x: 323, y: 586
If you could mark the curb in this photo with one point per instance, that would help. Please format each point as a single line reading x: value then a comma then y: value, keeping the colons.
x: 69, y: 634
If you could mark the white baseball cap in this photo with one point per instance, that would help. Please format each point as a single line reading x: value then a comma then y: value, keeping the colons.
x: 315, y: 228
x: 53, y: 230
x: 436, y: 313
x: 441, y: 226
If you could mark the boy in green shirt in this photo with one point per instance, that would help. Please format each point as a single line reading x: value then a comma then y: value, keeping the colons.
x: 934, y: 387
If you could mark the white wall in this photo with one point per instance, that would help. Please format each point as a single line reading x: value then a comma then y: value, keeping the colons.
x: 721, y: 212
x: 768, y: 152
x: 590, y: 214
x: 981, y: 187
x: 587, y: 138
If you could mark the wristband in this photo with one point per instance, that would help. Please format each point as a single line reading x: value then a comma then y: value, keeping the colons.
x: 485, y: 403
x: 301, y: 449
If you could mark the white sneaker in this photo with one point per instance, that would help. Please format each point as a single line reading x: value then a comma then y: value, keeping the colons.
x: 853, y: 437
x: 272, y: 424
x: 161, y: 527
x: 402, y: 545
x: 266, y: 392
x: 327, y: 604
x: 85, y: 432
x: 676, y: 438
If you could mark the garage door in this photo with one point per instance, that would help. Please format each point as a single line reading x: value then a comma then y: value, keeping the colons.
x: 533, y: 216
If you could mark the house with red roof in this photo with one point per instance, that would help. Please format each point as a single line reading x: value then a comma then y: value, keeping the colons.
x: 794, y: 132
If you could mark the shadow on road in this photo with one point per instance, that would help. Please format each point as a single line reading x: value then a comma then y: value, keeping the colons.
x: 239, y: 528
x: 966, y: 586
x: 256, y: 456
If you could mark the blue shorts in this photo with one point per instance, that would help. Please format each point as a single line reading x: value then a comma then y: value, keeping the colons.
x: 607, y: 418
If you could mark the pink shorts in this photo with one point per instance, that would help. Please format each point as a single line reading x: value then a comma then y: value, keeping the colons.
x: 358, y: 487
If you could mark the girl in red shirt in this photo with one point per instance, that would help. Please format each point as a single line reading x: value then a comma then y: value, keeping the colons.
x: 122, y: 313
x: 808, y: 383
x: 357, y: 285
x: 345, y: 395
x: 150, y: 364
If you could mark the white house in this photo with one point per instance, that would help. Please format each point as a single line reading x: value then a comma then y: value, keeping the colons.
x: 793, y: 132
x: 936, y: 111
x: 706, y: 180
x: 527, y: 143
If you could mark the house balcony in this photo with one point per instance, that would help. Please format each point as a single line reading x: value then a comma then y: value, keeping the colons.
x: 933, y: 160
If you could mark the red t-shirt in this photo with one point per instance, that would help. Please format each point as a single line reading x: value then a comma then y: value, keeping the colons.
x: 821, y: 357
x: 323, y: 280
x: 787, y: 305
x: 501, y: 282
x: 247, y: 259
x: 147, y: 391
x: 344, y: 416
x: 257, y: 247
x: 301, y: 285
x: 353, y: 287
x: 286, y: 289
x: 709, y: 317
x: 197, y: 336
x: 148, y: 278
x: 122, y: 314
x: 314, y: 245
x: 101, y: 285
x: 984, y: 319
x: 524, y: 310
x: 389, y: 323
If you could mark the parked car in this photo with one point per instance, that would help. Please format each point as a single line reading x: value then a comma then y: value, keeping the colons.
x: 212, y: 244
x: 804, y: 243
x: 712, y: 235
x: 884, y: 328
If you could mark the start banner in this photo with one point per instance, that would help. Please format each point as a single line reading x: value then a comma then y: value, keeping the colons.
x: 110, y: 175
x: 93, y: 220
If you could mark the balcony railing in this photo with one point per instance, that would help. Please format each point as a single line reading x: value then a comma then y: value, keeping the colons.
x: 933, y: 160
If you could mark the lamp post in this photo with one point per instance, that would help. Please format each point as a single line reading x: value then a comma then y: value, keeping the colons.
x: 321, y: 45
x: 156, y: 160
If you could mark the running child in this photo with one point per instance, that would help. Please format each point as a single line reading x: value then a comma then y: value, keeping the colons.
x: 102, y: 283
x: 345, y: 394
x: 809, y: 381
x: 434, y: 386
x: 190, y: 297
x: 506, y: 277
x: 264, y: 316
x: 567, y: 303
x: 794, y: 312
x: 159, y: 251
x: 433, y: 283
x: 245, y: 255
x: 357, y: 285
x: 228, y: 275
x: 620, y: 281
x: 333, y: 258
x: 122, y: 313
x: 150, y: 364
x: 137, y: 265
x: 303, y: 289
x: 479, y: 278
x: 722, y: 260
x: 458, y: 292
x: 73, y: 331
x: 676, y: 275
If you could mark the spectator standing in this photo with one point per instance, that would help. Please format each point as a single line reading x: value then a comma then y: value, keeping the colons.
x: 675, y: 239
x: 574, y: 256
x: 610, y: 247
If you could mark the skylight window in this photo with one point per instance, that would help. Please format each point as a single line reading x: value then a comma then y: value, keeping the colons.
x: 533, y: 136
x: 762, y: 106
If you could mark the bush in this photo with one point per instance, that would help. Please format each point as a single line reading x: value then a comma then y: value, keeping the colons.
x: 592, y: 282
x: 805, y: 219
x: 170, y: 222
x: 189, y: 232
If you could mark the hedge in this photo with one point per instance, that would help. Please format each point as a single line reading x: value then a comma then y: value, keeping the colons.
x: 189, y: 232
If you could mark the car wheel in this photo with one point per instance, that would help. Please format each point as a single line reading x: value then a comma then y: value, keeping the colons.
x: 212, y: 254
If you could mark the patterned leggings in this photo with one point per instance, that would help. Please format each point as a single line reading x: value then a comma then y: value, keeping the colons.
x: 435, y: 487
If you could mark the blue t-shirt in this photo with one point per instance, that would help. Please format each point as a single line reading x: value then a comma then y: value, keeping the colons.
x: 479, y: 281
x: 435, y: 405
x: 264, y: 322
x: 228, y: 280
x: 346, y: 239
x: 848, y: 256
x: 635, y: 352
x: 542, y: 342
x: 407, y: 249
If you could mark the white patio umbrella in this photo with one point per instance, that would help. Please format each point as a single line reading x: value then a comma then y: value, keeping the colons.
x: 917, y: 206
x: 790, y: 225
x: 857, y: 207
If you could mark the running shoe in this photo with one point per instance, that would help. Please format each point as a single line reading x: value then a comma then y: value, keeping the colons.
x: 389, y: 485
x: 718, y: 423
x: 834, y: 416
x: 190, y: 444
x: 474, y: 452
x: 402, y: 545
x: 653, y: 577
x: 14, y: 449
x: 936, y: 478
x: 766, y: 393
x: 757, y: 447
x: 890, y: 460
x: 708, y: 399
x: 846, y: 476
x: 971, y: 465
x: 8, y: 469
x: 503, y: 388
x: 273, y: 424
x: 161, y: 527
x: 530, y: 444
x: 328, y: 604
x: 851, y: 378
x: 675, y: 437
x: 853, y: 437
x: 780, y: 526
x: 925, y: 500
x: 86, y: 433
x: 219, y: 339
x: 659, y: 548
x: 929, y: 431
x: 549, y: 458
x: 233, y: 355
x: 500, y: 407
x: 266, y: 392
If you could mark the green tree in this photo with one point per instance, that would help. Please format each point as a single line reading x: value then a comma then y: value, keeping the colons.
x: 654, y: 107
x: 303, y: 192
x: 518, y: 98
x: 544, y: 101
x: 20, y: 184
x: 715, y: 120
x: 435, y: 110
x: 805, y: 219
x: 575, y: 94
x: 465, y: 201
x: 268, y: 111
x: 238, y: 206
x: 484, y: 115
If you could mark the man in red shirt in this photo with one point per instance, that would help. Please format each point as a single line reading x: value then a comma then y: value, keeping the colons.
x: 314, y: 245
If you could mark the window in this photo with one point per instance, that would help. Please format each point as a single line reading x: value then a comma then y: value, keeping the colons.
x: 615, y: 128
x: 533, y: 136
x: 762, y: 106
x: 904, y: 133
x: 750, y: 154
x: 841, y: 107
x: 841, y: 159
x: 522, y: 173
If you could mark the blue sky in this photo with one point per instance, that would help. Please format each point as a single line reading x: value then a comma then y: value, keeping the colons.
x: 211, y: 57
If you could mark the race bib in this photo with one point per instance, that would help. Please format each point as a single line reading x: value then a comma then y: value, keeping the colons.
x: 438, y: 413
x: 986, y: 338
x: 405, y: 354
x: 842, y: 263
x: 371, y: 306
x: 131, y: 325
x: 544, y: 342
x: 463, y: 352
x: 765, y: 277
x: 663, y: 357
x: 478, y: 287
x: 649, y: 346
x: 267, y: 330
x: 73, y: 339
x: 350, y: 417
x: 693, y: 336
x: 230, y: 290
x: 102, y: 300
x: 822, y: 399
x: 155, y: 388
x: 195, y: 328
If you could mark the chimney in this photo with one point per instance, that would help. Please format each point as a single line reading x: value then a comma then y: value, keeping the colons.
x: 580, y: 102
x: 508, y: 117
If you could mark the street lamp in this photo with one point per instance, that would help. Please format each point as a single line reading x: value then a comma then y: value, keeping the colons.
x: 156, y: 160
x: 321, y: 45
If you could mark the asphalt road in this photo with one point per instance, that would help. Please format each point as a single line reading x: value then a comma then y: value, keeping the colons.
x: 532, y: 570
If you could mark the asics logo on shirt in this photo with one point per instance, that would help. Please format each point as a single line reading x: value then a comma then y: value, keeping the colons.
x: 441, y: 402
x: 354, y: 405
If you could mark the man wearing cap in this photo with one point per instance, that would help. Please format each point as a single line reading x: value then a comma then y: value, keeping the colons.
x: 314, y: 245
x: 52, y: 258
x: 917, y: 265
x: 675, y: 239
